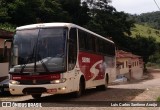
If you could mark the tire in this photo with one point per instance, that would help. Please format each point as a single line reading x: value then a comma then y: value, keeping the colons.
x: 103, y: 87
x: 81, y: 89
x: 36, y: 96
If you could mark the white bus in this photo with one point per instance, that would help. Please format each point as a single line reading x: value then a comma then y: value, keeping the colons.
x: 58, y: 58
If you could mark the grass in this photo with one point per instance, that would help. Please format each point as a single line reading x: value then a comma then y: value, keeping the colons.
x: 158, y: 99
x: 153, y: 65
x: 146, y: 31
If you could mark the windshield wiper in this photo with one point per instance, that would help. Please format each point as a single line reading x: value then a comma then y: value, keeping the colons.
x: 43, y: 64
x: 28, y: 59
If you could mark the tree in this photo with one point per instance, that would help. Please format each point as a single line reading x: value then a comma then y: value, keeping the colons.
x: 4, y: 17
x: 78, y: 11
x: 152, y: 19
x: 106, y: 21
x: 143, y: 46
x: 21, y: 12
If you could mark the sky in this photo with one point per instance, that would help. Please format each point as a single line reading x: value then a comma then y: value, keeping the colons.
x: 135, y: 6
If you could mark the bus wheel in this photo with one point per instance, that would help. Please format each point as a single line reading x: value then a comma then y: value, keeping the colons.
x: 81, y: 89
x: 36, y: 96
x: 103, y: 87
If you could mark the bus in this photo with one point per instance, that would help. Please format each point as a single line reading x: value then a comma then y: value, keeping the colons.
x: 59, y: 58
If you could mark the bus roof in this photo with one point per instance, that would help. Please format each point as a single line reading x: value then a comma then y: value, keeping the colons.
x: 48, y: 25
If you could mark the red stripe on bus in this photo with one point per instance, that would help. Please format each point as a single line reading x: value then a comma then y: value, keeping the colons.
x: 40, y: 77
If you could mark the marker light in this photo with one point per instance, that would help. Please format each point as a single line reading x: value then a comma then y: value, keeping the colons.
x: 62, y: 88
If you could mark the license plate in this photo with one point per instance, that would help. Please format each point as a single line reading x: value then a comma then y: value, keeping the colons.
x: 52, y: 90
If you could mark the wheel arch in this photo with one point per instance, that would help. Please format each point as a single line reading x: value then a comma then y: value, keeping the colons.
x: 107, y: 77
x: 82, y: 78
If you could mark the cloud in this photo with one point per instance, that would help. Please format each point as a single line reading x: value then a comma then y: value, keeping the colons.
x: 135, y: 6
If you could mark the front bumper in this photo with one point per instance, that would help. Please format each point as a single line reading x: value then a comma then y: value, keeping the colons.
x: 60, y: 88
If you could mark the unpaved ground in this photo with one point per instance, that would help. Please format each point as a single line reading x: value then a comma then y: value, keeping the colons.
x: 147, y: 89
x: 150, y: 80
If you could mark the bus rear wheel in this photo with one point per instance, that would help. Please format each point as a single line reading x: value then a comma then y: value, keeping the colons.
x: 36, y: 96
x: 103, y: 87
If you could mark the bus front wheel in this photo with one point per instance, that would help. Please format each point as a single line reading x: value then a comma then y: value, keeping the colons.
x: 81, y: 88
x: 36, y: 96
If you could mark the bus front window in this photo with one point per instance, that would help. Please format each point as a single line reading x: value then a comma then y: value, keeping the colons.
x: 39, y: 50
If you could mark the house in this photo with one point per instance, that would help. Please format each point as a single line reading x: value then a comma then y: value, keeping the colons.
x: 4, y: 63
x: 3, y: 36
x: 129, y: 65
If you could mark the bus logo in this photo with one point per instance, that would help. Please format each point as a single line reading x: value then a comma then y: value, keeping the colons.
x: 85, y: 60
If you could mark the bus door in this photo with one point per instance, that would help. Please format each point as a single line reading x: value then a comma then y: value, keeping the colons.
x: 72, y: 55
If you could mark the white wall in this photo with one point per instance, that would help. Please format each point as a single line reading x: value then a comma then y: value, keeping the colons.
x: 3, y: 69
x: 4, y: 66
x: 137, y: 71
x: 126, y: 68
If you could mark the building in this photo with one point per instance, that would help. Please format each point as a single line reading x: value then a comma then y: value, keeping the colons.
x: 3, y: 36
x: 4, y: 61
x: 129, y: 65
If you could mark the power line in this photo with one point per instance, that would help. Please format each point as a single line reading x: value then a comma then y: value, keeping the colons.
x: 156, y: 4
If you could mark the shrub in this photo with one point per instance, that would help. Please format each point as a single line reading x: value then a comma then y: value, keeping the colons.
x: 158, y: 99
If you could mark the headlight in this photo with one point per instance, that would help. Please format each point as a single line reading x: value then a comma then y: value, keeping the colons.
x: 58, y: 81
x: 14, y: 82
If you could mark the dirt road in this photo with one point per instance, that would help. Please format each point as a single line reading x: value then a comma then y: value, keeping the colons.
x: 152, y: 79
x: 147, y: 89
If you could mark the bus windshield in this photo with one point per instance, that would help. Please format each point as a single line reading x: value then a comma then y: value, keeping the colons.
x: 39, y: 50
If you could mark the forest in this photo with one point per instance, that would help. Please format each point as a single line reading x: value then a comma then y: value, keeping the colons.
x: 151, y: 19
x: 95, y: 15
x: 148, y: 24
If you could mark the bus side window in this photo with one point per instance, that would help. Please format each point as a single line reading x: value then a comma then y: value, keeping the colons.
x: 72, y: 55
x: 82, y: 39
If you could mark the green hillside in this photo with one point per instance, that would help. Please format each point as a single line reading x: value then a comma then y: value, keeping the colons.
x: 145, y: 31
